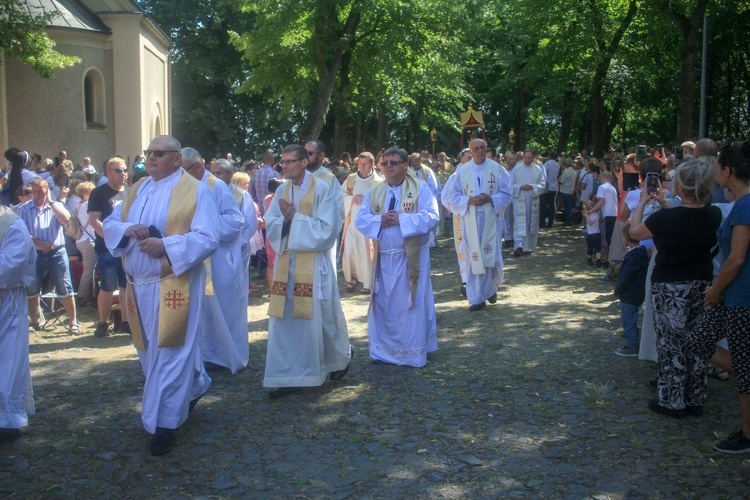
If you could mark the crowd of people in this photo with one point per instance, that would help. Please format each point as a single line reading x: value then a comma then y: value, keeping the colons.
x: 171, y: 238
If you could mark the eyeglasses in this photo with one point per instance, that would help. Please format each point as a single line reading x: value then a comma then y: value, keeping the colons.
x: 118, y: 170
x: 289, y: 162
x: 158, y: 152
x: 391, y: 163
x: 191, y: 166
x: 218, y: 173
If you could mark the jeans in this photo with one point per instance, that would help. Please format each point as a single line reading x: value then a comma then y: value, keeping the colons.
x: 56, y: 264
x: 111, y: 273
x: 547, y: 208
x: 568, y: 201
x: 629, y: 315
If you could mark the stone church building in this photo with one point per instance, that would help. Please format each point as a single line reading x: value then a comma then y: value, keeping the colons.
x: 111, y: 103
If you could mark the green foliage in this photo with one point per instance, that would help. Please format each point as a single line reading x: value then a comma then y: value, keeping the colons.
x: 24, y: 38
x: 249, y: 74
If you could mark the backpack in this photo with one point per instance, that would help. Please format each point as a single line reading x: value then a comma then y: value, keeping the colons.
x: 73, y: 227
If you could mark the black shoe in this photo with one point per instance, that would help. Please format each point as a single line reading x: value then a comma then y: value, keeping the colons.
x: 194, y: 402
x: 735, y: 444
x: 653, y: 382
x: 694, y: 411
x: 9, y: 434
x: 655, y: 407
x: 493, y: 299
x: 162, y: 441
x: 102, y: 330
x: 284, y: 391
x: 463, y: 289
x: 518, y: 252
x: 338, y: 375
x: 477, y: 307
x: 590, y: 262
x: 125, y: 328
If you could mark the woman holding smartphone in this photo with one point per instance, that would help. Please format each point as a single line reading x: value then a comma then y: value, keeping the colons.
x: 684, y: 237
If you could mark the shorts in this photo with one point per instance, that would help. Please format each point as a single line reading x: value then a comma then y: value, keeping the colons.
x: 56, y: 264
x: 111, y: 273
x: 609, y: 227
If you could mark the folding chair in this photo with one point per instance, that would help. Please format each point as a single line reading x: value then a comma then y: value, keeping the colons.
x: 52, y: 312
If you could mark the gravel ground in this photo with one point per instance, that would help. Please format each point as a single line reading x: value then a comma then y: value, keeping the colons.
x: 523, y: 398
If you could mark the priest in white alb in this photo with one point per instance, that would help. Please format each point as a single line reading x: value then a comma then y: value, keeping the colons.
x: 356, y: 248
x: 223, y: 328
x: 164, y: 230
x: 308, y: 338
x: 479, y: 193
x: 529, y: 182
x: 17, y: 268
x: 399, y: 215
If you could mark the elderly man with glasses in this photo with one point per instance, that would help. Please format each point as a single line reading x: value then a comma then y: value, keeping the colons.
x: 164, y: 230
x: 479, y: 193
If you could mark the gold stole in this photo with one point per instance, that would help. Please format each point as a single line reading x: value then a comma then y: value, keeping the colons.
x: 482, y: 250
x: 237, y: 194
x: 409, y: 205
x: 209, y: 288
x: 302, y: 306
x: 174, y: 291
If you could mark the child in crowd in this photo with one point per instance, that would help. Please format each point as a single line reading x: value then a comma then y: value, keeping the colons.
x: 593, y: 234
x: 631, y: 290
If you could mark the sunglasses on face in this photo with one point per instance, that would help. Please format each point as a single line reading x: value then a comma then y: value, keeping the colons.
x: 391, y: 163
x: 158, y: 153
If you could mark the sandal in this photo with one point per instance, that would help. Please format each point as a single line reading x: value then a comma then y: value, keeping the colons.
x: 351, y: 286
x: 718, y: 373
x: 75, y: 328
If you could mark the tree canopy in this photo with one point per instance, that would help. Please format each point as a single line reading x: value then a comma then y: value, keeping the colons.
x: 365, y: 74
x: 24, y: 37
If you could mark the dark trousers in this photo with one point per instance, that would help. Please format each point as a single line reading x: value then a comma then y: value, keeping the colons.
x: 547, y: 209
x: 568, y: 202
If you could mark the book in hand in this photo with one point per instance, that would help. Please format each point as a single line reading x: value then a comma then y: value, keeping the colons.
x: 154, y: 233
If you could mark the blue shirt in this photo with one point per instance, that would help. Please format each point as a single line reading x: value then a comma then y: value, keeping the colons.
x: 42, y: 223
x: 737, y: 294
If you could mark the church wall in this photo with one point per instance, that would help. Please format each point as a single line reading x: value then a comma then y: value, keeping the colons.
x: 47, y: 115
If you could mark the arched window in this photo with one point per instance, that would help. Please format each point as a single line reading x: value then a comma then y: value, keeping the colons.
x: 93, y: 100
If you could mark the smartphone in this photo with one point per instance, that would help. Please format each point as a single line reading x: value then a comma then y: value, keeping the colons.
x: 652, y: 182
x: 57, y: 161
x: 629, y: 181
x: 641, y: 152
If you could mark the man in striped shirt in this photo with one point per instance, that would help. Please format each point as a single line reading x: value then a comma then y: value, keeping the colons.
x: 45, y: 219
x: 259, y: 185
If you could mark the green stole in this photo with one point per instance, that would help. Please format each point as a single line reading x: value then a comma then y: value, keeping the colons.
x: 409, y: 205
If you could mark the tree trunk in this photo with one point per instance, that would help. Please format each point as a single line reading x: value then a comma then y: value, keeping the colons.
x: 328, y: 43
x: 382, y: 134
x: 361, y: 146
x: 566, y: 123
x: 341, y: 115
x: 690, y: 29
x: 598, y: 110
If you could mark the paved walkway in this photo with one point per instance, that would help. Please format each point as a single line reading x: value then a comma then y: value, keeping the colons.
x: 523, y: 398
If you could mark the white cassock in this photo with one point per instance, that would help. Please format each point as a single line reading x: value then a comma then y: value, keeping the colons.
x: 480, y: 287
x: 17, y: 268
x: 526, y: 204
x: 426, y: 175
x: 174, y: 375
x: 223, y: 326
x: 248, y: 229
x: 399, y: 335
x: 302, y: 352
x: 356, y: 257
x: 328, y: 178
x: 456, y: 227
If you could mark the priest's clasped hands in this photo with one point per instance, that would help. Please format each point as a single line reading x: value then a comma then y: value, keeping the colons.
x: 480, y: 199
x: 287, y: 210
x: 389, y: 219
x: 153, y: 247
